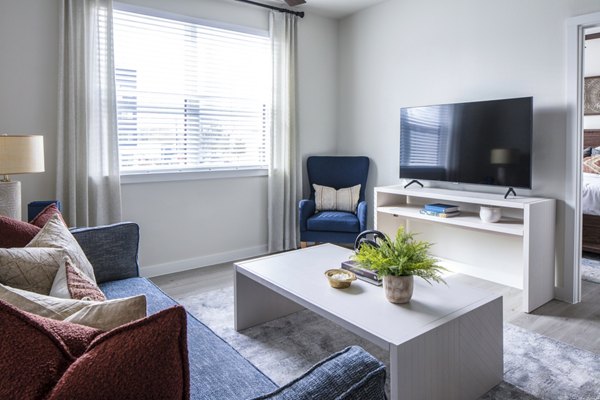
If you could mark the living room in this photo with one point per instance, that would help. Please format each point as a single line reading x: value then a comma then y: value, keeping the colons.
x: 355, y: 69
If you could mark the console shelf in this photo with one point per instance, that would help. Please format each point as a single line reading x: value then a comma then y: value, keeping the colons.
x: 509, y: 226
x: 516, y: 251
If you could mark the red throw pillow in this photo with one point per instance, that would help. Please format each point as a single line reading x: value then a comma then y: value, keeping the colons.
x: 144, y: 359
x: 36, y: 351
x: 15, y: 233
x: 45, y: 215
x: 44, y: 358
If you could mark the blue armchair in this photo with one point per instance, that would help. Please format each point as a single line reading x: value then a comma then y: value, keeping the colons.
x: 334, y: 226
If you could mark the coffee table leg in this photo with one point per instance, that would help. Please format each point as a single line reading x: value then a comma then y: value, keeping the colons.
x: 255, y: 304
x: 461, y: 359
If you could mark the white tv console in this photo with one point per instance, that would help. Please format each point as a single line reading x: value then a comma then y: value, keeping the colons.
x: 517, y: 251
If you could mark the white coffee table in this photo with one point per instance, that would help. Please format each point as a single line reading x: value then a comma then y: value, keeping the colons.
x: 445, y: 344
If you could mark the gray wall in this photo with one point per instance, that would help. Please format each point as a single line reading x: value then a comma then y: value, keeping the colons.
x: 29, y: 85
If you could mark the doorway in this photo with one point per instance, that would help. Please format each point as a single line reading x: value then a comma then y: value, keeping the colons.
x: 577, y: 28
x: 590, y: 195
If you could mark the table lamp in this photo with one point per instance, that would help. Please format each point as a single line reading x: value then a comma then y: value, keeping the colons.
x: 18, y: 155
x: 502, y: 158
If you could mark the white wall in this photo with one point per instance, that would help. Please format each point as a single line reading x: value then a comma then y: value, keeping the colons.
x: 183, y: 224
x: 404, y: 53
x: 28, y: 84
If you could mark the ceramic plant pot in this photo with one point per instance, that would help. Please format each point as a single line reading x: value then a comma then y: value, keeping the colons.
x: 398, y: 289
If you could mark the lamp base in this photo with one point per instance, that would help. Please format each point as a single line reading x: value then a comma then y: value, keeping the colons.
x: 10, y: 199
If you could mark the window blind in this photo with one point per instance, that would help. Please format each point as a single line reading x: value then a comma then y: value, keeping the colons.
x: 426, y: 141
x: 190, y: 96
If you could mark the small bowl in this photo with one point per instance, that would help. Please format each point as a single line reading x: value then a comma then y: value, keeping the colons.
x: 340, y: 278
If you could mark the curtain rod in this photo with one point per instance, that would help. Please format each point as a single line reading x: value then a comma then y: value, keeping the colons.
x: 284, y: 10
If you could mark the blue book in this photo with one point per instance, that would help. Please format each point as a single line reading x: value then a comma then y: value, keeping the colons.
x: 439, y: 207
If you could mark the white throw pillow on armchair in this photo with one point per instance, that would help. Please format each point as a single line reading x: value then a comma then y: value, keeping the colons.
x: 329, y: 199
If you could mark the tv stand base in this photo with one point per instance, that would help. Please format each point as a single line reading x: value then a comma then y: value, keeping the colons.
x: 413, y: 181
x: 509, y: 191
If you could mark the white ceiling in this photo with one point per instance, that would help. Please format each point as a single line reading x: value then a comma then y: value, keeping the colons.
x: 330, y: 8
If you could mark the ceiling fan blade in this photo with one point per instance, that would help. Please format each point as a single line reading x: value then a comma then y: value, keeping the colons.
x: 293, y: 3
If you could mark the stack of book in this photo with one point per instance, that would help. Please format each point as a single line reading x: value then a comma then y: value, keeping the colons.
x: 441, y: 210
x: 362, y: 273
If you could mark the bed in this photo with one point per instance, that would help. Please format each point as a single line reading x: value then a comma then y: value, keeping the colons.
x: 590, y: 197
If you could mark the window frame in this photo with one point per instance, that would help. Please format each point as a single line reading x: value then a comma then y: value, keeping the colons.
x: 168, y: 175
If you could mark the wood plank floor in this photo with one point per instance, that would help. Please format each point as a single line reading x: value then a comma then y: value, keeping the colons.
x: 576, y: 324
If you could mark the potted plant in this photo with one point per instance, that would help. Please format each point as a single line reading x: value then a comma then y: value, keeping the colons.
x: 397, y: 262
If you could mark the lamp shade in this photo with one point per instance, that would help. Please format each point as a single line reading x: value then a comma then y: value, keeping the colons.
x: 21, y: 154
x: 502, y: 156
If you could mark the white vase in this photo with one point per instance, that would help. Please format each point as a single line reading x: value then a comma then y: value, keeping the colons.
x: 490, y: 214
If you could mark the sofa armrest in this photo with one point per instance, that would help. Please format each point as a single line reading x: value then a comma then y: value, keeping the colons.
x: 111, y: 249
x: 361, y: 213
x: 350, y: 374
x: 306, y: 208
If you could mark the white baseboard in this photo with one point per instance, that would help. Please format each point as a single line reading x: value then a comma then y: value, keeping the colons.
x: 204, y: 261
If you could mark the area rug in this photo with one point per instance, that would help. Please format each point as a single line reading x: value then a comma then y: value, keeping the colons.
x: 535, y: 366
x: 590, y: 270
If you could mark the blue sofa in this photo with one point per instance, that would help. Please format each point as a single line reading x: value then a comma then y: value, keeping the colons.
x: 217, y: 370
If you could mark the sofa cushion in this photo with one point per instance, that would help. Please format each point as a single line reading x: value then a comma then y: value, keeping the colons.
x: 217, y: 370
x: 15, y: 233
x: 56, y: 235
x: 30, y: 268
x: 111, y: 249
x: 144, y: 359
x: 337, y: 221
x: 71, y: 283
x: 102, y: 315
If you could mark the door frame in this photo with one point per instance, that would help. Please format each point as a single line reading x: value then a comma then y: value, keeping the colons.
x: 574, y: 108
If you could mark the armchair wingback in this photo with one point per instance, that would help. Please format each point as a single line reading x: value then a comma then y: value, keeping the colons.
x: 331, y: 225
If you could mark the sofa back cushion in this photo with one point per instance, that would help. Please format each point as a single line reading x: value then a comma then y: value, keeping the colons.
x: 111, y: 249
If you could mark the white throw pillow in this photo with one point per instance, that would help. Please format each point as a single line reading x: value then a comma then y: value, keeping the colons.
x: 345, y: 199
x: 30, y: 268
x: 56, y: 235
x: 104, y: 315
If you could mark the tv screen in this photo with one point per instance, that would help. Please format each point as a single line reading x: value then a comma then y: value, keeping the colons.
x: 483, y: 142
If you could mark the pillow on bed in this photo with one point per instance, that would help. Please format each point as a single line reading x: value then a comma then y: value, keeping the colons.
x: 587, y: 151
x: 592, y: 164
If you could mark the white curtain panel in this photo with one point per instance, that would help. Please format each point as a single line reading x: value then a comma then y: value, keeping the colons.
x: 284, y: 172
x: 88, y: 180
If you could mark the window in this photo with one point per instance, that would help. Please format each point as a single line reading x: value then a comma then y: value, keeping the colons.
x: 426, y: 140
x: 190, y: 96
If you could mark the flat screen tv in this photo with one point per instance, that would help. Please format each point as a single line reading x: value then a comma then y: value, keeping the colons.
x: 483, y: 142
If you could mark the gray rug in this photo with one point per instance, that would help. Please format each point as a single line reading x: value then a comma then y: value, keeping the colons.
x: 590, y: 270
x: 535, y: 367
